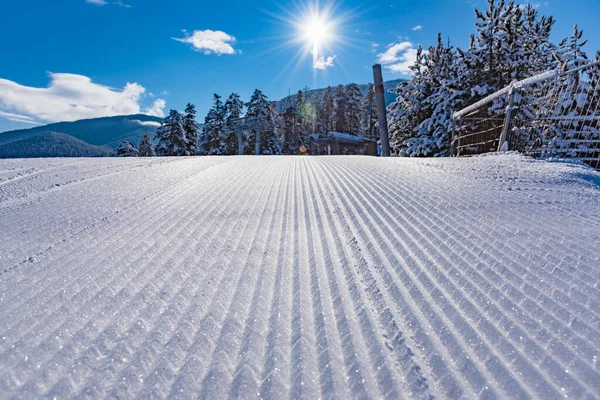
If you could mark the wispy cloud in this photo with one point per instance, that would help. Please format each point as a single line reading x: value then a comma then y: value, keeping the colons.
x: 323, y: 63
x: 70, y: 97
x: 209, y: 42
x: 399, y: 57
x: 18, y: 118
x: 534, y: 4
x: 146, y: 123
x: 417, y: 28
x: 104, y: 2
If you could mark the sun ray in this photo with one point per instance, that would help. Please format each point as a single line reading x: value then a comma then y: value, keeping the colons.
x: 317, y: 30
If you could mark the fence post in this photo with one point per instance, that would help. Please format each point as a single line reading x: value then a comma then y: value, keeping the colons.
x: 508, y: 119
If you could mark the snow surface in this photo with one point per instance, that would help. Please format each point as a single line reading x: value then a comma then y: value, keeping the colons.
x: 348, y: 277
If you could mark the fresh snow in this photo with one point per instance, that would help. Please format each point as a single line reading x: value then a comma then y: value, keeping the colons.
x: 279, y: 277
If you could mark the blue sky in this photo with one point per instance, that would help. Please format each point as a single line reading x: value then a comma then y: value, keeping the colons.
x: 72, y: 59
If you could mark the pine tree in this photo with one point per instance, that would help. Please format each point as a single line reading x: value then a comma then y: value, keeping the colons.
x: 570, y: 53
x: 409, y: 111
x: 286, y: 131
x: 126, y: 149
x: 234, y: 108
x: 369, y: 113
x: 171, y: 136
x: 146, y: 147
x: 191, y: 129
x: 214, y: 138
x: 261, y: 114
x: 325, y: 111
x: 340, y: 102
x: 353, y: 109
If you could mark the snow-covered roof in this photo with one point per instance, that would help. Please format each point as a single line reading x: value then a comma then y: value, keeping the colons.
x: 288, y: 277
x: 341, y: 137
x: 345, y: 137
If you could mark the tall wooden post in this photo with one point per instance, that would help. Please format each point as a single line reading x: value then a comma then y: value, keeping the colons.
x: 381, y: 111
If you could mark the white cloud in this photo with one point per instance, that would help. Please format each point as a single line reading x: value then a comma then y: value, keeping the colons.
x: 323, y: 63
x: 97, y: 2
x: 417, y: 28
x: 71, y: 97
x: 146, y: 123
x: 209, y: 42
x: 399, y: 57
x: 157, y: 108
x: 394, y: 52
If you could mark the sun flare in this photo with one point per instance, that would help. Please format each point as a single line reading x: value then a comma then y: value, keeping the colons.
x: 315, y: 31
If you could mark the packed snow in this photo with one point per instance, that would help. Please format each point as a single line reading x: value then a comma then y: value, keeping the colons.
x: 289, y: 277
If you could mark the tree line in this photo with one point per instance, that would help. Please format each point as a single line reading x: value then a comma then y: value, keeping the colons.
x: 284, y: 127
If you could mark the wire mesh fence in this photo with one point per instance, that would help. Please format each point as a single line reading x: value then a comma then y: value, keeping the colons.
x: 552, y: 115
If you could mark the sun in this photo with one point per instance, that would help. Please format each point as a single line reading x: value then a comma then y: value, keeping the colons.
x: 316, y: 31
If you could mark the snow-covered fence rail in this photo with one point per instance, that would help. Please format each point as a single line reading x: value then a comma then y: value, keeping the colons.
x: 552, y: 115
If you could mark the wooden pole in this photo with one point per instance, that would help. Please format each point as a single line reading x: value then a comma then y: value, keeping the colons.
x: 381, y: 111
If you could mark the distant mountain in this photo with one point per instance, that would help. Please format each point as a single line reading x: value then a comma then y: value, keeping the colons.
x: 51, y: 144
x: 389, y: 97
x: 107, y: 131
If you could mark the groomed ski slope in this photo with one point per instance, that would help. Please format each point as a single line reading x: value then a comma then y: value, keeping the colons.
x: 299, y: 277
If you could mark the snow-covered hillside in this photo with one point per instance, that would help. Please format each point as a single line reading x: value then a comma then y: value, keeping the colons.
x: 280, y: 277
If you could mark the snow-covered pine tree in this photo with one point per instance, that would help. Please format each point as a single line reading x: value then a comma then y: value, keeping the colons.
x: 146, y: 147
x: 535, y: 38
x: 325, y: 111
x: 191, y: 129
x: 171, y: 136
x: 369, y: 113
x: 534, y: 56
x: 126, y: 149
x: 353, y: 109
x: 409, y: 111
x: 299, y: 103
x: 262, y: 112
x: 493, y: 42
x: 234, y: 108
x: 286, y: 131
x: 340, y: 102
x: 570, y: 53
x: 213, y: 133
x: 441, y: 75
